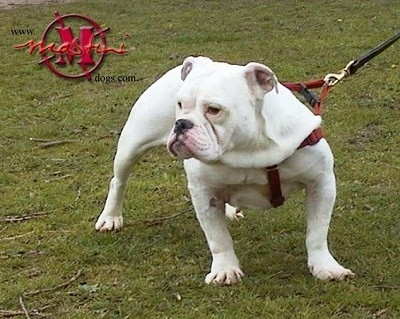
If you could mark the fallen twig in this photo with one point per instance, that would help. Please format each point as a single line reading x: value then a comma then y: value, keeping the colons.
x: 65, y: 284
x: 54, y: 143
x: 59, y: 97
x: 25, y: 217
x: 10, y: 313
x: 33, y: 312
x: 111, y: 134
x: 44, y: 143
x: 386, y: 287
x: 16, y: 236
x: 38, y: 311
x: 42, y: 140
x: 26, y: 313
x: 58, y: 178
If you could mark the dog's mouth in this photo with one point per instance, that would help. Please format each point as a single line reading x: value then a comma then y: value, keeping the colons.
x: 177, y: 147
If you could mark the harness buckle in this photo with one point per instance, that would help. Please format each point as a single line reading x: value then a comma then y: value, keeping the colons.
x: 334, y: 78
x: 308, y: 95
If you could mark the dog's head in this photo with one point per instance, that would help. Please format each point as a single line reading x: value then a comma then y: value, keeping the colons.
x: 219, y: 109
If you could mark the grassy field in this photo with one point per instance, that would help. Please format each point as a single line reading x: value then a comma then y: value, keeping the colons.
x: 53, y: 262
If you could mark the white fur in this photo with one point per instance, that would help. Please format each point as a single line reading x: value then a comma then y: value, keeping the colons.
x: 261, y: 123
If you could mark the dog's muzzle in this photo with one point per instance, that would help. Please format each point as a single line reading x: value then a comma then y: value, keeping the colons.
x: 176, y: 143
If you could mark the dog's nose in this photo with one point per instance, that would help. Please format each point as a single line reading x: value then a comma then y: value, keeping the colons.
x: 182, y: 125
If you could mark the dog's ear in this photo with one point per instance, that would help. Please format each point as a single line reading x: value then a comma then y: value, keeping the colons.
x: 190, y: 62
x: 260, y: 79
x: 187, y: 66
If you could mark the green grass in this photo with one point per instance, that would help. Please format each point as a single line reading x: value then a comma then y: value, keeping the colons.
x: 156, y: 270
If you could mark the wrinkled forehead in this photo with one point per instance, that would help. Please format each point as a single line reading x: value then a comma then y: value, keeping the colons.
x: 215, y: 82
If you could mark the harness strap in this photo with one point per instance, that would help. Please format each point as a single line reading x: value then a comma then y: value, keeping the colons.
x: 304, y: 90
x: 313, y: 138
x: 274, y: 182
x: 298, y: 86
x: 273, y: 177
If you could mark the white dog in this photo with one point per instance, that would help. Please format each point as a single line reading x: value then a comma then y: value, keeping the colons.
x: 229, y: 123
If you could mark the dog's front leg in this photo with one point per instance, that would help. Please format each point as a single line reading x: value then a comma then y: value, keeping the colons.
x: 148, y: 125
x: 138, y: 135
x: 131, y: 146
x: 225, y: 268
x: 319, y: 204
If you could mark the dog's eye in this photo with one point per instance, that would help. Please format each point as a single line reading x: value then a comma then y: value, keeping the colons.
x: 179, y: 104
x: 213, y: 110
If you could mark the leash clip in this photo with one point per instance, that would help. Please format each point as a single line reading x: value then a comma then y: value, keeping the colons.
x: 331, y: 79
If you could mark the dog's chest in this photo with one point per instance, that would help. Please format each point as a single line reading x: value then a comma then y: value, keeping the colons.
x: 225, y: 176
x: 244, y: 188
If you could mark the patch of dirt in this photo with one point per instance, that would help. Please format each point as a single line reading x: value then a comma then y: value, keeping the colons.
x: 368, y: 134
x: 9, y: 4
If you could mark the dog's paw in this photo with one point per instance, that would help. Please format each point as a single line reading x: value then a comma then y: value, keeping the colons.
x: 225, y: 277
x: 233, y: 213
x: 109, y: 223
x: 331, y: 271
x: 333, y: 274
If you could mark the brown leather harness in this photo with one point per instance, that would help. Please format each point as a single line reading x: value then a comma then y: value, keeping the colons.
x: 326, y: 84
x: 273, y: 177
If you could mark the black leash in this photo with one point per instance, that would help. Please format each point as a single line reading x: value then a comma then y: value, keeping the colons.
x: 354, y: 65
x: 358, y: 63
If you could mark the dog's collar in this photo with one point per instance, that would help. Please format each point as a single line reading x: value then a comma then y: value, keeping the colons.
x: 273, y: 177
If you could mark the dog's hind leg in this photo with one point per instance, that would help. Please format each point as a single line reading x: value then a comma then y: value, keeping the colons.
x: 148, y: 125
x: 320, y: 201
